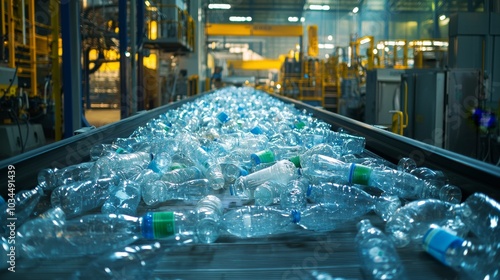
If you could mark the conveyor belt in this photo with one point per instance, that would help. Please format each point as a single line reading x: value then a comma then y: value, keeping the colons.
x: 290, y: 256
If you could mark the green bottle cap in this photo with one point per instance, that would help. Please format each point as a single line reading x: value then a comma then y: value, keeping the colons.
x: 359, y: 174
x: 295, y: 160
x: 265, y: 156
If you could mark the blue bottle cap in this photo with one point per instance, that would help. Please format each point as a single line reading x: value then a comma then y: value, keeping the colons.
x: 231, y: 190
x: 153, y: 166
x: 222, y: 117
x: 265, y: 156
x: 147, y: 226
x: 295, y: 216
x: 243, y: 172
x: 309, y: 190
x: 437, y: 241
x: 256, y: 130
x: 158, y: 225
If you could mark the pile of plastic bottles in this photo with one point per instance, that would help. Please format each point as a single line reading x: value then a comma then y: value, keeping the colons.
x: 286, y: 170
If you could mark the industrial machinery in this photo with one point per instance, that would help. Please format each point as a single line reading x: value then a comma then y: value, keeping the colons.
x: 283, y: 256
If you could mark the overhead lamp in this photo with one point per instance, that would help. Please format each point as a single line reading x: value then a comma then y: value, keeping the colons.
x: 355, y: 10
x: 239, y: 19
x: 364, y: 41
x: 147, y: 3
x: 293, y: 19
x: 302, y: 19
x: 319, y: 7
x: 330, y: 37
x: 219, y: 6
x: 442, y: 17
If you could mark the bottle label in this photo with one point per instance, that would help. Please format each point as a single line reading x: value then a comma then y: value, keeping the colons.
x: 163, y: 224
x: 437, y: 241
x: 359, y: 174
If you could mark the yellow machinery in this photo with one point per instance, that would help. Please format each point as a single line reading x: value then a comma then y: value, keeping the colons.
x: 31, y: 52
x: 421, y: 47
x: 388, y: 54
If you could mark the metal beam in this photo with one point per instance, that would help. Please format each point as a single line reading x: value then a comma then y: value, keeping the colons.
x: 140, y: 55
x: 253, y: 30
x: 71, y: 57
x: 56, y: 71
x: 122, y: 26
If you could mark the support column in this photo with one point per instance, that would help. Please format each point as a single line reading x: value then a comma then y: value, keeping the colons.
x: 72, y: 66
x: 140, y: 56
x: 122, y: 25
x: 133, y: 52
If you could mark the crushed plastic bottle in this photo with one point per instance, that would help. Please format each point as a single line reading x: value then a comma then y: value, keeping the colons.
x: 49, y: 179
x: 379, y: 257
x: 161, y: 191
x: 123, y: 199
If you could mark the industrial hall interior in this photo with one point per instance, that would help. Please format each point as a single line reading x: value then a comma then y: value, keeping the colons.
x: 238, y: 139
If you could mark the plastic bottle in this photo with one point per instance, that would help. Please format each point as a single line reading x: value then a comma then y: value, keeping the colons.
x: 25, y: 201
x: 325, y: 216
x: 481, y: 214
x: 3, y: 215
x: 80, y: 197
x: 474, y: 260
x: 255, y: 221
x: 131, y: 262
x: 353, y: 200
x: 181, y: 175
x: 49, y: 179
x: 293, y: 196
x: 101, y: 150
x: 268, y: 193
x: 349, y: 144
x: 209, y: 166
x: 410, y: 222
x: 320, y: 149
x: 123, y: 199
x: 110, y: 165
x: 379, y: 258
x: 232, y: 171
x: 406, y: 164
x: 5, y: 251
x: 390, y: 181
x: 209, y: 216
x: 160, y: 191
x: 282, y: 171
x: 275, y: 153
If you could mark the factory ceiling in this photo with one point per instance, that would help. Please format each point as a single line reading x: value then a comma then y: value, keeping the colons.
x: 281, y: 11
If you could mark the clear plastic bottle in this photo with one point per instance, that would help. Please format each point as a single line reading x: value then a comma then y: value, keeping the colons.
x: 474, y: 260
x: 101, y: 150
x: 181, y: 175
x: 3, y: 216
x: 293, y: 196
x: 410, y: 222
x: 80, y: 197
x: 131, y: 262
x: 161, y: 191
x: 232, y: 171
x: 268, y: 193
x: 50, y: 179
x: 282, y: 171
x: 481, y: 214
x: 353, y: 200
x: 391, y: 181
x: 26, y: 201
x: 209, y: 166
x: 110, y: 165
x: 123, y: 199
x: 256, y: 221
x: 5, y: 252
x: 379, y: 258
x: 209, y: 216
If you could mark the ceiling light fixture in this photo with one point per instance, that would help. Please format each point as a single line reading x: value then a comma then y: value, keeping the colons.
x: 293, y: 19
x: 355, y: 10
x: 239, y: 19
x: 219, y: 6
x: 442, y: 17
x: 319, y: 7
